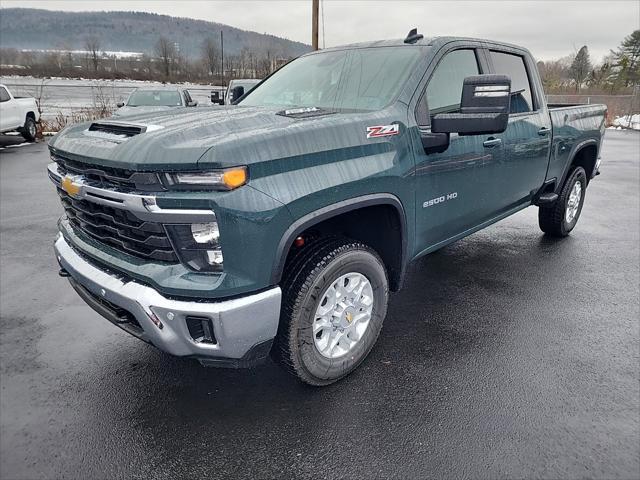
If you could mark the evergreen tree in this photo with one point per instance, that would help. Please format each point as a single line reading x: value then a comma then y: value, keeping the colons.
x: 580, y: 67
x: 627, y: 60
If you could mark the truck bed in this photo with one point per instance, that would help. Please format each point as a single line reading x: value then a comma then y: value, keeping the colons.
x: 574, y: 127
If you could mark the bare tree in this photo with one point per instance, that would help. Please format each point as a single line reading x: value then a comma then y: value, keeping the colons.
x: 92, y: 46
x: 210, y: 54
x: 165, y: 49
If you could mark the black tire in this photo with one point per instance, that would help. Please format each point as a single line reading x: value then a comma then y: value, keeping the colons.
x: 30, y: 130
x: 308, y: 274
x: 552, y: 219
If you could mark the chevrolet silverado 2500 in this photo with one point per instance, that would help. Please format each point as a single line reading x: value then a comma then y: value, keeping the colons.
x: 280, y: 224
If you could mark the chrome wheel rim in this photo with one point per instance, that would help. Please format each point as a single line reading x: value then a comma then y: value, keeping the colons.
x: 574, y: 202
x: 343, y: 315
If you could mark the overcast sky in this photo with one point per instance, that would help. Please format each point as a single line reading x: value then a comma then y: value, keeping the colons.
x: 550, y: 29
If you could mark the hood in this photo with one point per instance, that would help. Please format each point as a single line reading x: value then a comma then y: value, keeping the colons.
x: 214, y: 137
x: 128, y: 111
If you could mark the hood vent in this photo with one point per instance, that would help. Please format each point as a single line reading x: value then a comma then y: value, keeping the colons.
x: 118, y: 131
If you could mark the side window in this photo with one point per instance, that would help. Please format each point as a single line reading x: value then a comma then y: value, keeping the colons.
x: 513, y: 66
x: 4, y: 95
x: 445, y: 86
x: 187, y: 98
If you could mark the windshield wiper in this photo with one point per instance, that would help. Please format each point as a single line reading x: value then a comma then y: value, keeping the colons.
x: 303, y: 112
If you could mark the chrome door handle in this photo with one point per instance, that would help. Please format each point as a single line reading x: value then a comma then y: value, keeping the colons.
x: 544, y: 131
x: 492, y: 142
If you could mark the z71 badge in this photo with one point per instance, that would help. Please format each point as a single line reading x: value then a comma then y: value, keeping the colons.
x: 383, y: 130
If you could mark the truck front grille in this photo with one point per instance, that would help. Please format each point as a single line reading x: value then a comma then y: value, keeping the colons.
x: 119, y: 228
x: 108, y: 177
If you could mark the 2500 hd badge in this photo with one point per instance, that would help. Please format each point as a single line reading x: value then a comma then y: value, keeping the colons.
x: 440, y: 199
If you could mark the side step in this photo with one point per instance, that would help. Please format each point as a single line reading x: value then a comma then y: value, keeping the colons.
x: 547, y: 199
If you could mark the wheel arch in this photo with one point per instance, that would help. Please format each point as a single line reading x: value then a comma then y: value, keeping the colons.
x: 585, y: 155
x: 339, y: 209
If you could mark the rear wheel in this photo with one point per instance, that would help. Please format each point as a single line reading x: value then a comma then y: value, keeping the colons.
x: 335, y: 295
x: 560, y: 218
x: 29, y: 131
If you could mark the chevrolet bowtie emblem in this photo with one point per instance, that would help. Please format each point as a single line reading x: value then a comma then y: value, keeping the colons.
x: 68, y: 186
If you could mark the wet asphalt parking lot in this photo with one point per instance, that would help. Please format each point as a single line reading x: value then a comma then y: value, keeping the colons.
x: 506, y: 355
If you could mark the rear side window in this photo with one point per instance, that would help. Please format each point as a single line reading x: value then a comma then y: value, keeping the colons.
x: 444, y: 90
x: 4, y: 95
x: 513, y: 66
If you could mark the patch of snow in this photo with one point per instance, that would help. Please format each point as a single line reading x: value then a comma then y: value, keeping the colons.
x: 16, y: 145
x: 626, y: 121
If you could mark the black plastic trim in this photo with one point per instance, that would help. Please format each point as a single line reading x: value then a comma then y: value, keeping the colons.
x: 572, y: 156
x: 255, y: 356
x: 334, y: 210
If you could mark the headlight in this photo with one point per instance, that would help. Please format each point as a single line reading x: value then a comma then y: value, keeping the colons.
x: 197, y: 245
x: 227, y: 179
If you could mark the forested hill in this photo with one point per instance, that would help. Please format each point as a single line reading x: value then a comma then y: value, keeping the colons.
x: 26, y: 28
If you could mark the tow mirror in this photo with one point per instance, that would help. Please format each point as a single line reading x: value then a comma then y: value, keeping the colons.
x: 236, y: 93
x: 484, y: 107
x: 216, y: 99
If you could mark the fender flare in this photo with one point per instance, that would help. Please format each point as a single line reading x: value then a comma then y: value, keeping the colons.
x: 333, y: 210
x: 572, y: 156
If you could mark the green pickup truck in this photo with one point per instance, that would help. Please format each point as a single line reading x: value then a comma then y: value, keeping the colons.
x: 277, y: 226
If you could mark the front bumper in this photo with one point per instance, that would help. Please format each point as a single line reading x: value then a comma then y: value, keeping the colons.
x: 243, y: 327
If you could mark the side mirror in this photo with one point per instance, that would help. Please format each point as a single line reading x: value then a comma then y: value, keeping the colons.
x: 484, y: 107
x: 192, y: 103
x: 434, y: 142
x: 236, y: 93
x: 216, y: 99
x: 120, y: 104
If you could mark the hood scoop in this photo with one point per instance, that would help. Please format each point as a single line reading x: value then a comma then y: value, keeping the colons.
x: 118, y: 131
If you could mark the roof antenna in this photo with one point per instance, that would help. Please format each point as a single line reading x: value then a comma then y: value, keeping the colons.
x: 413, y: 36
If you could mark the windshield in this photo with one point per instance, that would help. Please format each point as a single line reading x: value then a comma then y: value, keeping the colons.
x: 155, y: 98
x: 358, y: 79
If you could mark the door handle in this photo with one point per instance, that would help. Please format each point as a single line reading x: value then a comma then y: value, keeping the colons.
x: 492, y: 142
x: 544, y: 131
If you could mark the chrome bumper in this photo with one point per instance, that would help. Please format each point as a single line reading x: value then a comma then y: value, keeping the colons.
x: 243, y: 327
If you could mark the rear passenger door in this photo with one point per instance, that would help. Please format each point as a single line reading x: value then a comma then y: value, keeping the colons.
x: 527, y: 140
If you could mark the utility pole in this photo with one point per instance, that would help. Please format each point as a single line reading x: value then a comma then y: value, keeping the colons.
x: 222, y: 55
x: 314, y: 24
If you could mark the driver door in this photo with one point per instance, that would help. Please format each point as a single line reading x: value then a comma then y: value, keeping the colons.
x: 451, y: 186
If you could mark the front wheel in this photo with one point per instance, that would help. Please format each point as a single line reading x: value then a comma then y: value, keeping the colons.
x: 560, y: 218
x: 29, y: 131
x: 335, y: 297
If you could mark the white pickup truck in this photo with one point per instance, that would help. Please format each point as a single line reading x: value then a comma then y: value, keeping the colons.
x: 18, y: 114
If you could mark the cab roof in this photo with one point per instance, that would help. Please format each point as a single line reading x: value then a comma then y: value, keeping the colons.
x: 425, y: 42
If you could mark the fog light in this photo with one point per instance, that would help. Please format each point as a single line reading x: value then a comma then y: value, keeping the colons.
x: 205, y: 232
x: 214, y: 257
